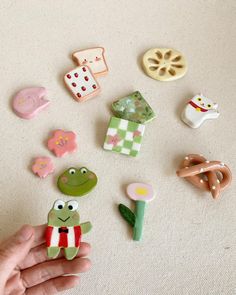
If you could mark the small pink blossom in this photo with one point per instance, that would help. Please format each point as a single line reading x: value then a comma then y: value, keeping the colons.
x: 136, y: 133
x: 114, y: 140
x: 43, y: 166
x: 62, y: 142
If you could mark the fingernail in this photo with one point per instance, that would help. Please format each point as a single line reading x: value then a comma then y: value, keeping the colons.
x: 25, y: 233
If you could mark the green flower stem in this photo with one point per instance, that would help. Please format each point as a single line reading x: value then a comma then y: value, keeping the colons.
x: 139, y: 214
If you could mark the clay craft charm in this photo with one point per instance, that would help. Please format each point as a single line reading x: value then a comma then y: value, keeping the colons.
x: 77, y: 182
x: 64, y: 229
x: 198, y: 110
x: 28, y: 102
x: 62, y: 142
x: 164, y: 64
x: 43, y: 166
x: 213, y: 176
x: 93, y: 58
x: 134, y: 108
x: 141, y: 193
x: 124, y: 137
x: 81, y: 83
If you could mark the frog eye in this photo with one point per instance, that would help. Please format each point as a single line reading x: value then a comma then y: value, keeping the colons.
x: 199, y: 99
x: 72, y: 205
x: 83, y: 170
x: 209, y: 105
x: 58, y: 205
x: 72, y: 171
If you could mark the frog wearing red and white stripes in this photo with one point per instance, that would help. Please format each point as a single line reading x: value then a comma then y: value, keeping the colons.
x: 64, y: 229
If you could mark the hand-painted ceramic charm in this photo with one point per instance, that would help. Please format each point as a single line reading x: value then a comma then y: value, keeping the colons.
x: 164, y: 64
x: 77, y: 182
x: 140, y: 193
x: 212, y: 176
x: 62, y: 142
x: 28, y: 102
x: 134, y: 108
x: 93, y: 58
x: 81, y: 83
x: 198, y: 110
x: 64, y: 229
x: 124, y: 137
x: 43, y: 166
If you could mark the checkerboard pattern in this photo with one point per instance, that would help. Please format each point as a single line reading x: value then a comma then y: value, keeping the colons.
x: 124, y: 137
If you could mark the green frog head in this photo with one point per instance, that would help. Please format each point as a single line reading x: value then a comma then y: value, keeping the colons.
x: 77, y: 182
x: 64, y: 214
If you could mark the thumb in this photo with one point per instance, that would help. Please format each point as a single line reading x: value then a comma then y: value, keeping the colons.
x: 15, y: 249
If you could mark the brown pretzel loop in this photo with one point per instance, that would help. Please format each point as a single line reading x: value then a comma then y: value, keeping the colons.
x: 212, y: 176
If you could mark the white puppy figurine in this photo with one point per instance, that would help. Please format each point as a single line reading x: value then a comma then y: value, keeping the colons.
x: 198, y: 110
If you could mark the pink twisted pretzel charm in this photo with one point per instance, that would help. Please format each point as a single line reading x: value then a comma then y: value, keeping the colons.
x: 212, y: 176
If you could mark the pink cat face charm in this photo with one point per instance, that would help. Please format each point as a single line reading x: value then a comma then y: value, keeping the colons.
x: 28, y: 102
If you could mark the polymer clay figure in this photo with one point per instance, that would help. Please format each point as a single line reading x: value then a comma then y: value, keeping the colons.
x: 141, y: 193
x: 64, y: 229
x: 198, y: 110
x: 77, y: 182
x: 213, y: 176
x: 93, y: 58
x: 28, y: 102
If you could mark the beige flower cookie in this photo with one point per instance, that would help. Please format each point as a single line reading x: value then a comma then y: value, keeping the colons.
x: 164, y: 64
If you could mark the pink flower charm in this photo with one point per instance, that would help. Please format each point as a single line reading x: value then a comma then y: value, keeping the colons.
x: 136, y: 133
x: 43, y: 166
x: 62, y: 142
x: 113, y: 139
x: 140, y: 192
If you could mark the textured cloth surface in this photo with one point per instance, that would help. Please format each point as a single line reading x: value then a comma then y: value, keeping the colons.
x: 189, y: 239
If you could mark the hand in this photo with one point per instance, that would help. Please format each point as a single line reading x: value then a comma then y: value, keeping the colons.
x: 25, y: 268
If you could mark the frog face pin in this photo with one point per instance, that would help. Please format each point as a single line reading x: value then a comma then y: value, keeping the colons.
x: 77, y: 182
x: 64, y: 229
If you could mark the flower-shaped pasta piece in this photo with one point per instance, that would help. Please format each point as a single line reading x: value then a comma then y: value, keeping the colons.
x: 140, y: 192
x: 62, y: 142
x: 43, y: 166
x: 164, y: 64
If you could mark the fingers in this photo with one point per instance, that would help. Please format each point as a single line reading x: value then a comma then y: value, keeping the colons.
x: 15, y: 249
x: 54, y: 286
x: 39, y: 254
x: 39, y: 234
x: 53, y: 269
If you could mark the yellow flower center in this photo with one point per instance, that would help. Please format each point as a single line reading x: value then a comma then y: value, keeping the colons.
x: 141, y: 191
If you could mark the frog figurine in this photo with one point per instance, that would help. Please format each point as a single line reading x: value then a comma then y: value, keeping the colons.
x: 64, y: 229
x: 77, y: 182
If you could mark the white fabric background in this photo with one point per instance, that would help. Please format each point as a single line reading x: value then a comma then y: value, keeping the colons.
x: 189, y: 239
